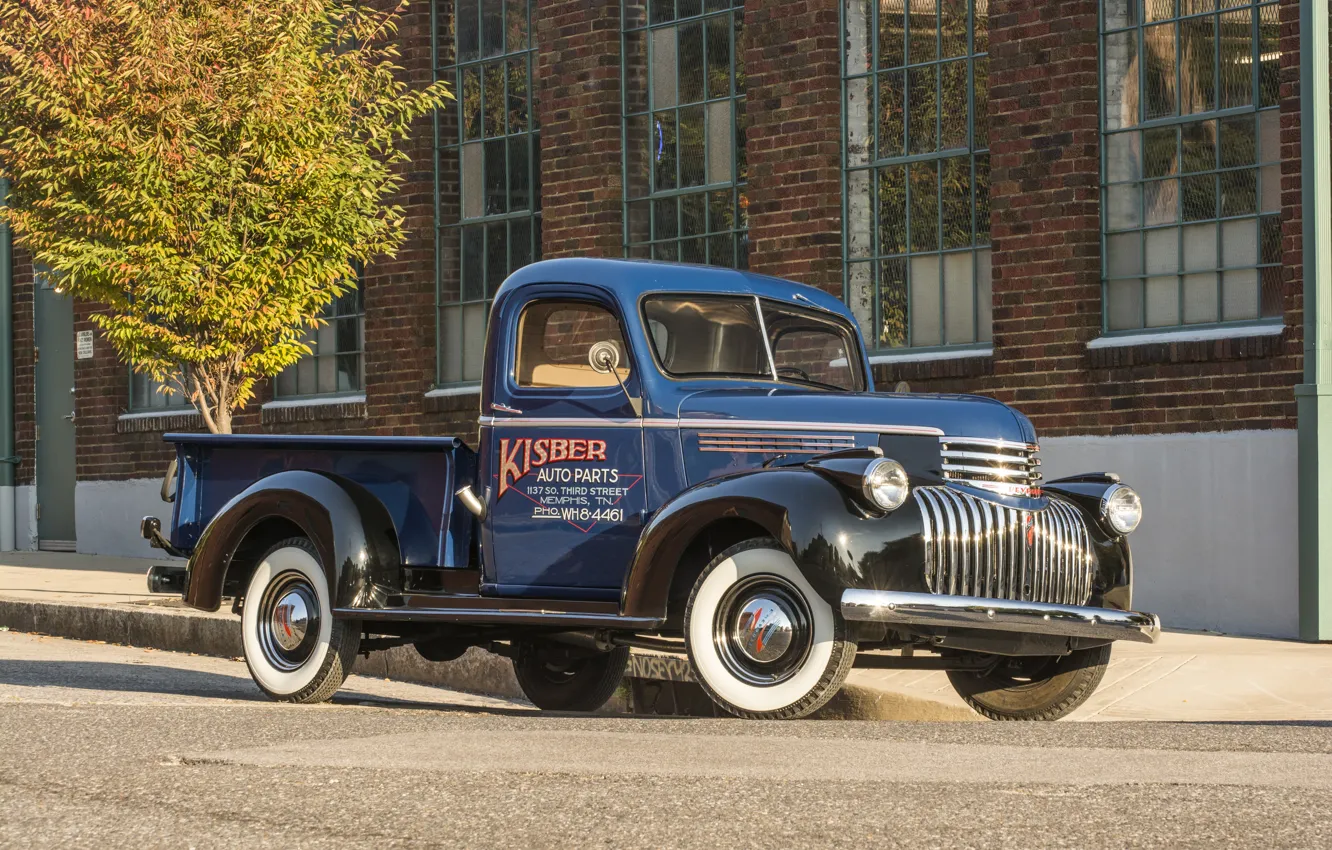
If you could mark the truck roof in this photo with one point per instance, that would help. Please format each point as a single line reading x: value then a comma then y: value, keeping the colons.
x: 629, y: 279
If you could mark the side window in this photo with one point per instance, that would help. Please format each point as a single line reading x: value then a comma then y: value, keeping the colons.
x: 554, y: 338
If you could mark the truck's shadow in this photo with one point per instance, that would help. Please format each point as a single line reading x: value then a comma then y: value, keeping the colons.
x: 146, y: 678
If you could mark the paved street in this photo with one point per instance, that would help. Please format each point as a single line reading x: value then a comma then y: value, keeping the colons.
x: 102, y: 743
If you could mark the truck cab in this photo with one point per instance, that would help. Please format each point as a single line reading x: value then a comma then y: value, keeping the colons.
x: 680, y: 458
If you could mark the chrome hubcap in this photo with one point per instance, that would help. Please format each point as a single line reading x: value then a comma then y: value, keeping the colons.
x: 762, y: 630
x: 288, y: 621
x: 291, y: 617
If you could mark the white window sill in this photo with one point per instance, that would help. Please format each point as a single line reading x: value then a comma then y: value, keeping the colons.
x: 317, y: 401
x: 444, y: 392
x: 159, y: 414
x: 1187, y: 335
x: 927, y: 356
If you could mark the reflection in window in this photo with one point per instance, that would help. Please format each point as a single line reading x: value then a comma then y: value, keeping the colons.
x: 554, y: 342
x: 146, y: 394
x: 917, y: 214
x: 684, y: 122
x: 719, y: 336
x: 336, y: 364
x: 1192, y: 194
x: 487, y: 174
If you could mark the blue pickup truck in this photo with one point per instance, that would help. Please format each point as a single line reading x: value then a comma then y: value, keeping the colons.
x: 682, y: 459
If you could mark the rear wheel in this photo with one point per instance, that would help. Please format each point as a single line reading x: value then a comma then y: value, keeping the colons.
x: 557, y: 678
x: 294, y: 649
x: 1037, y: 688
x: 762, y: 643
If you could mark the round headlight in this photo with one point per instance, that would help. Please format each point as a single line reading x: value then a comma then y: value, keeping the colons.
x: 886, y: 484
x: 1121, y: 509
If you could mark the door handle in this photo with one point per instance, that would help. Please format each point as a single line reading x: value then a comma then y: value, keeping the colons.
x: 68, y: 416
x: 504, y: 408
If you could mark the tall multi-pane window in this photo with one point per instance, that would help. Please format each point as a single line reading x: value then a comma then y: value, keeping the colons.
x: 336, y: 363
x: 488, y: 196
x: 917, y: 197
x: 1192, y: 194
x: 684, y: 124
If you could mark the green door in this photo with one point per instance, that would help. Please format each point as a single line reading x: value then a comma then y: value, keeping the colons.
x: 55, y: 420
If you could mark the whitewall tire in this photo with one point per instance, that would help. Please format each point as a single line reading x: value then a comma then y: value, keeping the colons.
x: 295, y: 650
x: 762, y: 643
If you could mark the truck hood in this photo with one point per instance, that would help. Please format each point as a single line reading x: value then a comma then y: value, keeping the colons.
x: 954, y: 415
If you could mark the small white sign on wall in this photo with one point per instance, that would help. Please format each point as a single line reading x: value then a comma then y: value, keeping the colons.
x: 84, y: 345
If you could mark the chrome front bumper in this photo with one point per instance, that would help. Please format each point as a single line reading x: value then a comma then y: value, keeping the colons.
x: 1004, y: 615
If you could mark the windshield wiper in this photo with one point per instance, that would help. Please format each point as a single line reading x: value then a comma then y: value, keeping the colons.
x: 811, y: 382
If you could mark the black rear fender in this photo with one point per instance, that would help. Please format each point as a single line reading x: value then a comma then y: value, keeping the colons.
x: 349, y: 527
x: 834, y: 540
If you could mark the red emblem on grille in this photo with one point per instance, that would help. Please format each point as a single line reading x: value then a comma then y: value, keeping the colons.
x: 1029, y: 523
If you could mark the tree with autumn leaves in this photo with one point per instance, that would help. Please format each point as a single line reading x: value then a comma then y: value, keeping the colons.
x: 208, y: 172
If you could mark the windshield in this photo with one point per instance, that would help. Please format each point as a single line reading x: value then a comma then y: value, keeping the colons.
x: 708, y: 336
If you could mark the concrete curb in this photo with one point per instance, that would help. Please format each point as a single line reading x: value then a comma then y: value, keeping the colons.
x: 656, y: 684
x: 158, y: 628
x: 178, y: 630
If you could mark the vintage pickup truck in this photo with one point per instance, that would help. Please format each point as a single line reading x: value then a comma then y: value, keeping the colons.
x: 678, y: 458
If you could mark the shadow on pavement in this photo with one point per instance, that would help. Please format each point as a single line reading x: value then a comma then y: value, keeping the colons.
x: 148, y: 678
x: 125, y: 677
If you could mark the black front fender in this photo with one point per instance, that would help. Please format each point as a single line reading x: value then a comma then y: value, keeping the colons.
x: 349, y: 527
x: 1114, y: 586
x: 835, y: 541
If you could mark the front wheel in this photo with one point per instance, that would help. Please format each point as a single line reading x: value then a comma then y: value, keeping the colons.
x: 557, y: 678
x: 295, y: 650
x: 1033, y: 688
x: 762, y: 643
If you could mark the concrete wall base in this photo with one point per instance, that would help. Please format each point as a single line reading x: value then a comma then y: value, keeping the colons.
x: 107, y: 514
x: 7, y: 518
x: 25, y: 518
x: 1218, y: 548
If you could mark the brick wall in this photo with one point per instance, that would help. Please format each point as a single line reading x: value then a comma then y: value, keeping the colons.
x: 578, y: 104
x: 1292, y: 203
x: 794, y: 143
x: 25, y: 370
x: 1046, y: 259
x: 1044, y: 220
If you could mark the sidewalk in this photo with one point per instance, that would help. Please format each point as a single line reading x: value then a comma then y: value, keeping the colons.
x: 1184, y: 677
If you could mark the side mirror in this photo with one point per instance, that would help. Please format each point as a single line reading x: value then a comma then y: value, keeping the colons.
x: 604, y: 358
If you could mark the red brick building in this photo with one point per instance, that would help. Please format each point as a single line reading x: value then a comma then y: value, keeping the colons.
x: 1090, y: 209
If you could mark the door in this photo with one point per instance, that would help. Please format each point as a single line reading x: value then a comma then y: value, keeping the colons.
x: 565, y: 456
x: 55, y: 419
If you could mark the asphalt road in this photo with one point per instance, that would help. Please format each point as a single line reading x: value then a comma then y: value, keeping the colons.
x: 103, y: 744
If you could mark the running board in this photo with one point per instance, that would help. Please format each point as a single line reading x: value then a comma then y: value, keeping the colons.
x: 486, y: 610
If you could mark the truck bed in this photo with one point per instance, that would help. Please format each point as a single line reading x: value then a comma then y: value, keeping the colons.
x: 414, y: 478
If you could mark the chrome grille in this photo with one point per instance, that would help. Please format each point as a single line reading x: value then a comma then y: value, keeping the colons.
x: 752, y: 442
x: 999, y: 466
x: 974, y: 547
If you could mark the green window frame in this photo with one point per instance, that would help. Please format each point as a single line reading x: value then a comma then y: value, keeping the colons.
x: 685, y: 122
x: 916, y: 172
x: 487, y: 174
x: 336, y: 364
x: 1190, y: 163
